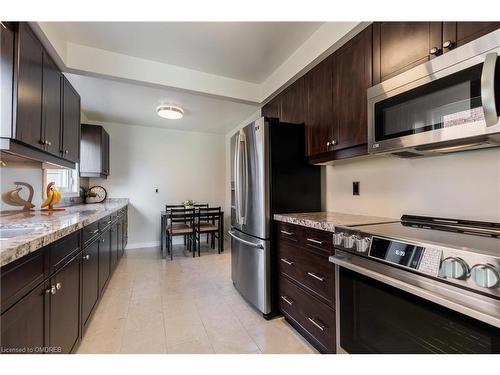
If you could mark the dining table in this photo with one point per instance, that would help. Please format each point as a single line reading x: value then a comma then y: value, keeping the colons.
x: 163, y: 237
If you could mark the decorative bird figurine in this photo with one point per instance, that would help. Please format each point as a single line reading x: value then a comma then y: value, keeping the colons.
x: 53, y: 197
x: 11, y: 197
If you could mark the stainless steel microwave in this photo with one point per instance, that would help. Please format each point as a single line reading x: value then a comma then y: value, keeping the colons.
x: 448, y: 104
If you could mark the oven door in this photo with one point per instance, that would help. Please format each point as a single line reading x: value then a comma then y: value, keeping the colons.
x: 448, y: 103
x: 381, y: 309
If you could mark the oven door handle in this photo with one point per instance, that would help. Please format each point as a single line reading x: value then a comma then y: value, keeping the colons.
x: 342, y: 261
x: 488, y: 89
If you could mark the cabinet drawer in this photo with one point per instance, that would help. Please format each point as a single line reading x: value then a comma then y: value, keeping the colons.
x: 90, y: 232
x: 318, y: 275
x: 62, y: 251
x: 20, y: 276
x: 105, y: 222
x: 290, y: 233
x: 288, y: 260
x: 319, y: 241
x: 315, y: 319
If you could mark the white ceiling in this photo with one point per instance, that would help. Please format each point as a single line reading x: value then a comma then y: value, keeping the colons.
x: 247, y: 51
x: 106, y: 100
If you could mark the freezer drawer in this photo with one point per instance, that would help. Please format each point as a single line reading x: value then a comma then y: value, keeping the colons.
x: 250, y: 269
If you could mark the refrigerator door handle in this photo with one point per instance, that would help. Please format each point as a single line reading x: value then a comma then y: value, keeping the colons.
x: 243, y: 212
x: 237, y: 182
x: 256, y: 245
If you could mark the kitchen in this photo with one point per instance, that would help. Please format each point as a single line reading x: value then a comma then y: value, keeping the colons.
x: 322, y: 198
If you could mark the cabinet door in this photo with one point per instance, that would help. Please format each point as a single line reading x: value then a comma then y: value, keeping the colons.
x: 23, y: 324
x: 119, y: 226
x: 353, y: 69
x: 293, y: 103
x: 90, y: 279
x: 64, y: 325
x: 273, y: 108
x: 104, y: 259
x: 29, y: 88
x: 320, y: 122
x: 51, y: 109
x: 399, y: 46
x: 70, y: 123
x: 114, y: 245
x: 105, y: 152
x: 456, y: 34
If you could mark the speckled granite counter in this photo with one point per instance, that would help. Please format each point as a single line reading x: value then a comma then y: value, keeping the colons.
x: 329, y: 220
x: 49, y: 226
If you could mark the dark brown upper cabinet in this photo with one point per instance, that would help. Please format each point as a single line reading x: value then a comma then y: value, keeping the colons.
x: 70, y: 144
x: 272, y: 108
x: 28, y: 123
x: 94, y: 154
x: 456, y: 34
x: 353, y: 72
x: 320, y: 123
x: 399, y: 46
x: 51, y: 107
x: 44, y: 125
x: 293, y: 103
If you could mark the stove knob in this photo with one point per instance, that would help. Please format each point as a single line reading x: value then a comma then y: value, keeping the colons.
x: 349, y: 241
x: 454, y: 268
x: 485, y: 275
x: 338, y: 238
x: 362, y: 244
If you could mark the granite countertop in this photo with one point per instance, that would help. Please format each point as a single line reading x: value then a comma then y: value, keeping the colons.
x: 329, y: 220
x: 49, y: 226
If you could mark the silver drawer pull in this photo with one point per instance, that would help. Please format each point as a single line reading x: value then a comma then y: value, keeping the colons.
x: 284, y: 298
x: 315, y: 241
x: 94, y: 231
x: 58, y: 286
x: 86, y: 257
x: 319, y: 326
x: 287, y: 233
x: 51, y: 290
x: 286, y: 261
x: 312, y: 274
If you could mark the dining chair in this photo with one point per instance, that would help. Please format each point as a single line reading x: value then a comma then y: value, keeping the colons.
x: 209, y: 223
x: 202, y: 205
x: 181, y: 222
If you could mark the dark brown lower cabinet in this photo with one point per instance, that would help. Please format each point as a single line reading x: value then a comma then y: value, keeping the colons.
x: 104, y: 259
x: 306, y: 287
x: 23, y: 325
x: 90, y: 280
x: 64, y: 306
x: 47, y: 297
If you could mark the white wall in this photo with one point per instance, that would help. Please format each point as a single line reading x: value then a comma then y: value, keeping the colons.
x: 32, y: 174
x: 182, y: 165
x: 462, y: 185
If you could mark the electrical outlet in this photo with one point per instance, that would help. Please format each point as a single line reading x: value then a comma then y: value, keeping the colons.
x: 355, y: 188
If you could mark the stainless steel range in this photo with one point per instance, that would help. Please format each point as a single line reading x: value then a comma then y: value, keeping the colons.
x: 422, y: 285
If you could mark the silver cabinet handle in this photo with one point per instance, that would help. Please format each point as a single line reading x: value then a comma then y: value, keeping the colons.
x: 286, y: 261
x: 58, y: 286
x: 109, y: 222
x: 287, y: 233
x: 51, y: 290
x: 66, y: 151
x: 86, y: 257
x: 488, y: 89
x: 284, y: 298
x: 447, y: 44
x: 333, y: 142
x: 434, y: 51
x: 48, y: 143
x: 94, y: 232
x: 327, y: 144
x: 318, y: 325
x: 257, y: 245
x: 102, y: 240
x: 313, y: 275
x: 315, y: 241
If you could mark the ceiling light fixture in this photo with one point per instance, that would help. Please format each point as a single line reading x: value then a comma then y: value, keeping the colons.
x: 170, y: 112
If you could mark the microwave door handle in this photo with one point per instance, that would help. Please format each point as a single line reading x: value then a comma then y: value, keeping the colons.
x: 488, y: 89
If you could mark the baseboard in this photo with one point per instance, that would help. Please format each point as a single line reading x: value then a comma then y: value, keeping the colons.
x: 139, y: 245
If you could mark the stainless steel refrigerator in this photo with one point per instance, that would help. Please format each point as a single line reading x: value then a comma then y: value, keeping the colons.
x: 269, y: 174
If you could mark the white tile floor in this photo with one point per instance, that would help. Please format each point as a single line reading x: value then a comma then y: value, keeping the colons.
x: 185, y: 306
